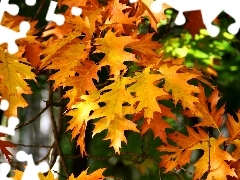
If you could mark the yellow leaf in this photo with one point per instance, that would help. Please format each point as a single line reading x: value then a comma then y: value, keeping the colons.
x: 17, y: 175
x: 177, y: 82
x: 80, y: 114
x: 116, y: 129
x: 114, y: 95
x: 49, y: 176
x: 147, y: 94
x: 13, y: 71
x: 113, y: 47
x: 65, y: 60
x: 53, y: 46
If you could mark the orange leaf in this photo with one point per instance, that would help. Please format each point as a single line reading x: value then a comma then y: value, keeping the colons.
x: 210, y: 117
x: 116, y: 14
x: 65, y: 61
x: 157, y: 124
x: 87, y: 71
x: 113, y: 47
x: 233, y: 126
x: 180, y: 154
x: 114, y: 96
x: 216, y: 165
x: 17, y: 175
x: 177, y: 82
x: 145, y: 45
x: 96, y: 175
x: 144, y: 10
x: 32, y: 52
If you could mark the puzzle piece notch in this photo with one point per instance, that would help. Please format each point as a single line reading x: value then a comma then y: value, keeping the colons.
x: 12, y: 121
x: 7, y: 35
x: 12, y: 124
x: 10, y: 36
x: 59, y: 19
x: 31, y: 170
x: 4, y: 105
x: 209, y: 9
x: 4, y: 170
x: 133, y: 1
x: 76, y: 11
x: 12, y: 9
x: 30, y: 2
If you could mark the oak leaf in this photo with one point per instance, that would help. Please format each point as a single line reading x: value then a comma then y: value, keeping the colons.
x: 49, y: 176
x: 13, y: 71
x: 181, y: 153
x: 3, y: 147
x: 145, y: 45
x: 146, y: 93
x: 65, y: 60
x: 53, y: 46
x: 157, y: 124
x: 116, y: 129
x: 177, y: 82
x: 233, y: 126
x: 116, y: 14
x: 115, y: 56
x: 87, y: 71
x: 96, y: 175
x: 213, y: 160
x: 114, y: 96
x: 92, y: 16
x: 80, y: 113
x: 144, y: 10
x: 207, y: 110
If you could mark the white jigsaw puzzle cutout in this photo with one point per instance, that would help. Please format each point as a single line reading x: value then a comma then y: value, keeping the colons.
x: 59, y: 19
x: 12, y: 121
x: 210, y: 9
x: 4, y: 170
x: 31, y: 170
x: 8, y: 35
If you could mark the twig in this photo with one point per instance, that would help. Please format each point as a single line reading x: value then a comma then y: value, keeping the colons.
x: 54, y: 153
x: 60, y: 174
x: 46, y: 156
x: 39, y: 9
x: 55, y: 132
x: 43, y: 146
x: 33, y: 119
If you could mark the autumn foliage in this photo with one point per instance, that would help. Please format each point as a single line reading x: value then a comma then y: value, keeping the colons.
x: 140, y: 79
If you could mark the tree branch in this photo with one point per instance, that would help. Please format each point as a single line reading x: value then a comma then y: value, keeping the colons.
x: 34, y: 118
x: 55, y: 131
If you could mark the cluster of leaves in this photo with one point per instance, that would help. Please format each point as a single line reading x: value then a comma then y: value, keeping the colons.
x: 95, y: 175
x: 106, y: 35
